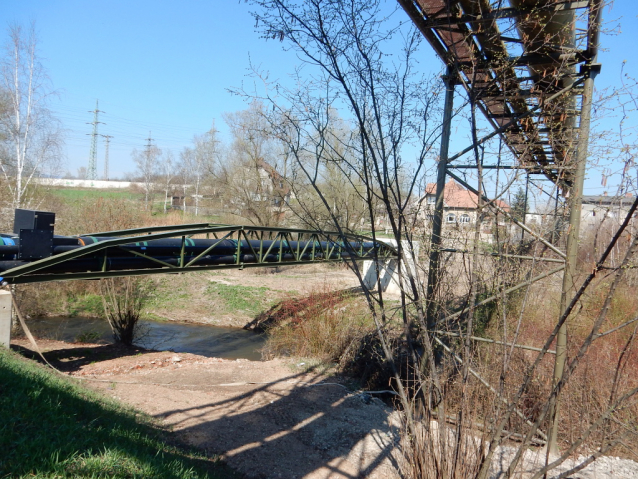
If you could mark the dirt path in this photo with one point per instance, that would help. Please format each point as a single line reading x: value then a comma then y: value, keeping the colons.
x: 271, y: 419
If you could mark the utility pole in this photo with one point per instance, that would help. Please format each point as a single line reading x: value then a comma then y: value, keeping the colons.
x: 92, y: 170
x: 106, y: 156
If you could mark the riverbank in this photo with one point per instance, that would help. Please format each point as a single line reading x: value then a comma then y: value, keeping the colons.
x: 271, y: 419
x: 264, y: 418
x: 233, y: 298
x: 274, y: 419
x: 53, y: 427
x: 230, y: 298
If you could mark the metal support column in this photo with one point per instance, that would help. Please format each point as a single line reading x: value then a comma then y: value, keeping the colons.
x: 576, y: 196
x: 525, y: 208
x: 435, y: 242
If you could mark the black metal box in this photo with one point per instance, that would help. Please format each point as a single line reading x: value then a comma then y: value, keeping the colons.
x: 35, y: 231
x: 33, y: 220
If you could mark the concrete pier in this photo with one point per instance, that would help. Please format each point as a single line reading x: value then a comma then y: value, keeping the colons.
x: 5, y: 318
x: 387, y: 271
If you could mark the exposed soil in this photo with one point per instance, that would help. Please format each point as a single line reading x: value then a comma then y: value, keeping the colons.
x: 271, y: 419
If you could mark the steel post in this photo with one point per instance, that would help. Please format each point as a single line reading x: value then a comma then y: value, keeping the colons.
x: 449, y: 81
x: 576, y: 196
x: 525, y: 207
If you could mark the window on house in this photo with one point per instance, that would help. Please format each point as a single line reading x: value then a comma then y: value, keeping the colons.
x: 430, y: 200
x: 465, y: 218
x: 451, y: 218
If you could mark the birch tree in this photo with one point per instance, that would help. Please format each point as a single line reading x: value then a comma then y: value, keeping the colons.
x: 29, y: 135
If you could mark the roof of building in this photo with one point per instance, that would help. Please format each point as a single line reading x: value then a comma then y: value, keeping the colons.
x: 455, y: 196
x: 605, y: 200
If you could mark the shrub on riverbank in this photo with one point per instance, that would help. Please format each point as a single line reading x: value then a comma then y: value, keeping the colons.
x: 124, y: 300
x: 51, y: 427
x: 324, y: 324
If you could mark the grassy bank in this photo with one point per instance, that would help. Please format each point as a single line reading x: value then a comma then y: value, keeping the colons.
x: 51, y: 427
x: 83, y: 194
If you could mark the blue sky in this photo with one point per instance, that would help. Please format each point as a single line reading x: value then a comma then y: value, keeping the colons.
x: 165, y: 67
x: 162, y: 67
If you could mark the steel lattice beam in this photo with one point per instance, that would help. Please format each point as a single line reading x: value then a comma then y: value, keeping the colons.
x: 174, y: 249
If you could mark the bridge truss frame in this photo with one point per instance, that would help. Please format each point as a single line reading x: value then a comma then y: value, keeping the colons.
x: 319, y: 247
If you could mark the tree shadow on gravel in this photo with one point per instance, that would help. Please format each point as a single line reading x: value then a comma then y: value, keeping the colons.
x: 294, y: 427
x: 72, y: 359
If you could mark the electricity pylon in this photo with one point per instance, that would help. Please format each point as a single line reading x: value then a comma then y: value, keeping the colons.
x: 92, y: 170
x: 106, y: 156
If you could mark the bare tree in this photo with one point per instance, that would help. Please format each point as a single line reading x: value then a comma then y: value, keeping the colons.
x: 147, y: 165
x: 254, y: 177
x: 389, y: 106
x: 29, y: 135
x: 82, y: 173
x: 201, y: 160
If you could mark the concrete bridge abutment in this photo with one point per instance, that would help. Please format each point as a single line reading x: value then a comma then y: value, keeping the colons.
x: 385, y: 273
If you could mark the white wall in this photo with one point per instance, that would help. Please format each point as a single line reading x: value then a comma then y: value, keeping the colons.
x: 74, y: 183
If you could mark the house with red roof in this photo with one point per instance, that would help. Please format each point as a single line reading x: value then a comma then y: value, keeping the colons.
x: 460, y: 207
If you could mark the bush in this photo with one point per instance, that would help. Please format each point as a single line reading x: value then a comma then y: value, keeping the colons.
x: 124, y: 300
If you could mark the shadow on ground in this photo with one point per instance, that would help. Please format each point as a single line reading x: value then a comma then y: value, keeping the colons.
x: 72, y: 359
x: 296, y: 426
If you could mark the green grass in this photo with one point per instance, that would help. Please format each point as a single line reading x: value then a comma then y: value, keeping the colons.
x: 52, y: 428
x: 234, y: 298
x: 85, y: 305
x: 169, y: 293
x: 75, y: 194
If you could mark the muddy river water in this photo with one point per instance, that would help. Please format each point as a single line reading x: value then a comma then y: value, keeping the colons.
x: 201, y: 339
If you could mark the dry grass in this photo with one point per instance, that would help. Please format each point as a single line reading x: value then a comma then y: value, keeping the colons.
x: 451, y: 449
x: 593, y: 386
x: 325, y: 324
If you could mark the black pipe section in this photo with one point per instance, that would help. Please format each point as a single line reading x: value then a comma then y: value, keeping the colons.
x: 96, y: 264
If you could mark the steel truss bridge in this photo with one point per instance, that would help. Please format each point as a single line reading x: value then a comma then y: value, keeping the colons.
x: 36, y: 255
x: 529, y: 67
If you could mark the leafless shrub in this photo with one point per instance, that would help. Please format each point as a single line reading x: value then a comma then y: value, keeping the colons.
x: 124, y: 300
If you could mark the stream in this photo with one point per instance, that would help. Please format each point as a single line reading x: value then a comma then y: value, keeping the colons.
x: 201, y: 339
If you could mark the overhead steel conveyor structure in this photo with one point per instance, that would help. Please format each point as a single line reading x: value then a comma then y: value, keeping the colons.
x: 527, y: 81
x: 529, y: 67
x: 32, y: 253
